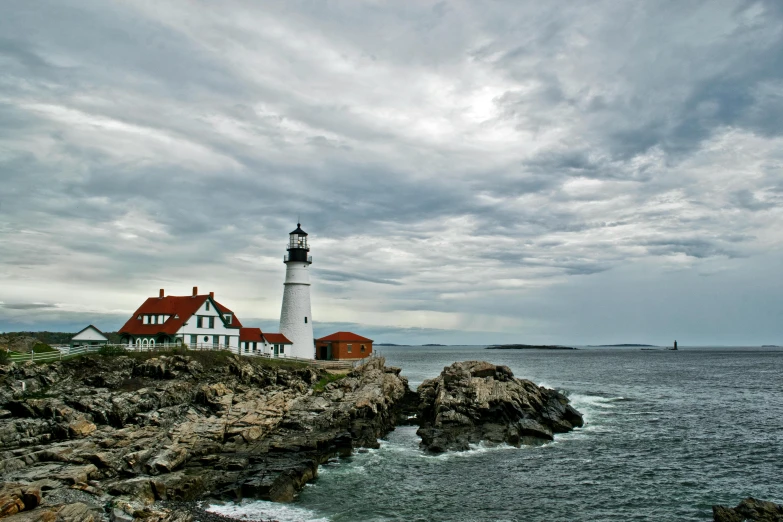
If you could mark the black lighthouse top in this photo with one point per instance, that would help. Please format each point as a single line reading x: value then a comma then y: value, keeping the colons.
x: 297, y: 246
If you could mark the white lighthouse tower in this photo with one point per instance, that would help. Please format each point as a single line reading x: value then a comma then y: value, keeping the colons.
x: 296, y: 321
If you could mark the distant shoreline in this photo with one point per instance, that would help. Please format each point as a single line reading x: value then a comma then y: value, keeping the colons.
x: 621, y: 345
x: 529, y: 347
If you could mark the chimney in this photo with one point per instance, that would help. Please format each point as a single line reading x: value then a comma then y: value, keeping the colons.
x: 160, y: 295
x: 195, y: 291
x: 212, y: 295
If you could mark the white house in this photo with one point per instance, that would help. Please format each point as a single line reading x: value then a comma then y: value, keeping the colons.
x: 196, y: 320
x: 200, y: 322
x: 90, y: 336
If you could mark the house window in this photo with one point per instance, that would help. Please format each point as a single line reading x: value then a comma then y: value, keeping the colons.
x: 350, y: 346
x: 199, y: 322
x: 363, y: 348
x: 193, y: 340
x: 207, y: 308
x: 254, y: 347
x: 305, y: 320
x: 211, y: 322
x: 154, y: 319
x: 215, y: 341
x: 228, y: 319
x: 206, y: 338
x: 146, y: 319
x: 247, y: 347
x: 282, y: 348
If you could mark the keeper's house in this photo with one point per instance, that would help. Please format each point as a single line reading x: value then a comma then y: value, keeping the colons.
x: 200, y: 322
x: 341, y: 346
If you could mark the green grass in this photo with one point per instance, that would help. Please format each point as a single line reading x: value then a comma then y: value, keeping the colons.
x: 112, y: 351
x: 332, y: 377
x: 40, y: 394
x: 43, y: 348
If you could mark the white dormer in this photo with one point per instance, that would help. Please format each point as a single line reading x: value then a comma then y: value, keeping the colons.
x: 228, y: 318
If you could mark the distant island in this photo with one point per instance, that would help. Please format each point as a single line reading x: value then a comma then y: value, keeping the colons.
x: 433, y: 344
x: 529, y: 347
x: 770, y: 346
x: 619, y: 345
x: 386, y: 344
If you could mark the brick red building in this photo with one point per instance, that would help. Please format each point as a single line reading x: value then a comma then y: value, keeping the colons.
x: 341, y: 346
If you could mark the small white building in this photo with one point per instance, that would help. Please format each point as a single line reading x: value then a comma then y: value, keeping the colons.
x: 90, y: 336
x: 252, y: 341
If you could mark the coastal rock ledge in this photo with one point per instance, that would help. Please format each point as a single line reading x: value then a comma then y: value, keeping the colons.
x: 96, y: 438
x: 749, y: 510
x: 476, y: 401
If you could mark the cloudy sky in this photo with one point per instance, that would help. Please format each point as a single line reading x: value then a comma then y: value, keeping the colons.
x: 496, y: 171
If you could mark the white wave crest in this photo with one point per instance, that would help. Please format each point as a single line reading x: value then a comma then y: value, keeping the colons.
x: 264, y: 510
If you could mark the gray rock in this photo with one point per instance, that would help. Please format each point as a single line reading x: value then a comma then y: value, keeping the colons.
x: 134, y: 432
x: 749, y: 510
x: 477, y: 401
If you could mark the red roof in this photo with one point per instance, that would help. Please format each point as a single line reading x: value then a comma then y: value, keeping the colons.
x: 276, y: 338
x: 345, y: 336
x: 251, y: 335
x: 180, y: 308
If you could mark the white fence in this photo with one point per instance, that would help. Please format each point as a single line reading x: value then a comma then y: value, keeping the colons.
x: 64, y: 352
x: 61, y: 353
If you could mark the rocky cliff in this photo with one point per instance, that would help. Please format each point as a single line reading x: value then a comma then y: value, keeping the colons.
x: 477, y: 401
x: 122, y: 432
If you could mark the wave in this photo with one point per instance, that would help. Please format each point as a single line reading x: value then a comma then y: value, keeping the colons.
x: 595, y: 401
x: 265, y: 510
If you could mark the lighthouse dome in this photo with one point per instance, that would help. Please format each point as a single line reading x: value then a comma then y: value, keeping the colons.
x: 299, y: 231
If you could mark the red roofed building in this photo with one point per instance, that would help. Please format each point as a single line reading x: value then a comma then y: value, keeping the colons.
x: 252, y: 341
x: 198, y: 321
x: 342, y: 346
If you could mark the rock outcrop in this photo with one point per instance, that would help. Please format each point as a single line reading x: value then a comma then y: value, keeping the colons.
x: 750, y: 510
x: 125, y: 432
x: 477, y: 401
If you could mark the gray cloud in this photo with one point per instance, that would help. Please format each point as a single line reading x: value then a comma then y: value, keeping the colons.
x: 448, y: 160
x: 27, y: 306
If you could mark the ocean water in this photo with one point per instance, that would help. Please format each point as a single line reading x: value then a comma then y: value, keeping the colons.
x: 667, y: 435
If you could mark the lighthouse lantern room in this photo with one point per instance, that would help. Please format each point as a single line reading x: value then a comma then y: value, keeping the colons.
x: 295, y: 317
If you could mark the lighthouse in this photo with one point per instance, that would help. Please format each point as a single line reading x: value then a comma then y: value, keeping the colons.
x: 296, y: 321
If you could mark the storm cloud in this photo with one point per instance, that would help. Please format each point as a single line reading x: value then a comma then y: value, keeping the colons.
x: 466, y: 170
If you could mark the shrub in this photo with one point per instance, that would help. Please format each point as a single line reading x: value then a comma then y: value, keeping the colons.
x: 332, y: 377
x: 5, y: 358
x: 43, y: 348
x: 108, y: 350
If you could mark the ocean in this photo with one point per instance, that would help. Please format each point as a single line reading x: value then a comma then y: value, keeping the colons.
x: 667, y: 435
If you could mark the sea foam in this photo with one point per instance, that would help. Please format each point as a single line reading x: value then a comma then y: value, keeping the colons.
x: 264, y: 510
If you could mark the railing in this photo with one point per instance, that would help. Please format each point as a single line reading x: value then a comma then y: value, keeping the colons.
x: 64, y: 352
x: 286, y: 258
